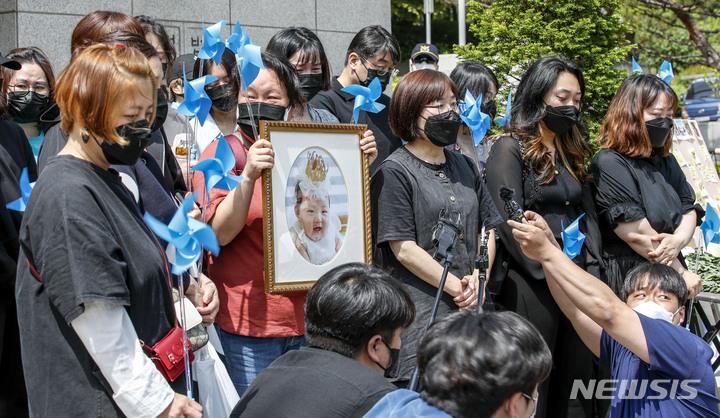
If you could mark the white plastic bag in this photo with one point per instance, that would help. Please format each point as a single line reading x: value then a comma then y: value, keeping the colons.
x: 217, y: 394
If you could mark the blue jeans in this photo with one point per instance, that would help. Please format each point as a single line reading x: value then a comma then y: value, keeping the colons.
x: 246, y: 357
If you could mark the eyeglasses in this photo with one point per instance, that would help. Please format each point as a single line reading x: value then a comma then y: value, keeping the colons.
x: 22, y: 89
x: 445, y: 107
x: 393, y: 72
x: 535, y: 399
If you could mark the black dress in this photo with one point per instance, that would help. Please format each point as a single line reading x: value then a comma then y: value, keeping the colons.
x: 524, y: 289
x: 84, y: 236
x: 629, y: 189
x: 408, y: 195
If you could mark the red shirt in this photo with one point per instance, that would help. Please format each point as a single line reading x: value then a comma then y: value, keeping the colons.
x: 239, y: 269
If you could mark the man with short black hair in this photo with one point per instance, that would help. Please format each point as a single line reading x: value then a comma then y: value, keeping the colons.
x: 474, y: 365
x: 658, y: 368
x: 353, y: 317
x: 424, y: 57
x: 373, y: 53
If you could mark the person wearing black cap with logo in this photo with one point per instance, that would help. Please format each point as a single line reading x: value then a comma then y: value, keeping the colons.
x: 15, y: 156
x: 425, y: 57
x: 372, y: 53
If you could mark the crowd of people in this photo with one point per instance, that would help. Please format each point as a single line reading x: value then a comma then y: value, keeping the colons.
x: 89, y: 287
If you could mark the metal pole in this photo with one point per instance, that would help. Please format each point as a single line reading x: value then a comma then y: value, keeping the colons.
x: 462, y: 40
x: 429, y: 7
x: 427, y: 28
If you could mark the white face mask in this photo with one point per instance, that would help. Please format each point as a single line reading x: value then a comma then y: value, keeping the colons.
x: 655, y: 311
x: 424, y: 66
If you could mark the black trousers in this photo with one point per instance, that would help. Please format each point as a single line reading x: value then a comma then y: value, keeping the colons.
x: 531, y: 299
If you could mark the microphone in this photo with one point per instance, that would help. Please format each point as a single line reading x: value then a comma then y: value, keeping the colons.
x: 513, y: 210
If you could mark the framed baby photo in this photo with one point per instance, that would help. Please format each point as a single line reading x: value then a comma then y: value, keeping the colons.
x: 316, y: 202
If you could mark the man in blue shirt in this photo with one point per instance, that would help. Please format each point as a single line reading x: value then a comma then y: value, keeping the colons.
x: 658, y: 368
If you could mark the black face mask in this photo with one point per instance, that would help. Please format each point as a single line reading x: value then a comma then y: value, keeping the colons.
x: 261, y: 111
x: 311, y: 84
x: 658, y: 131
x: 161, y: 110
x: 442, y: 129
x: 490, y: 109
x: 394, y: 355
x: 373, y: 74
x: 138, y: 136
x: 222, y: 97
x: 561, y: 119
x: 26, y: 107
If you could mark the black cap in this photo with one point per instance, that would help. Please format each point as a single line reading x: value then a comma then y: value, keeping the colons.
x: 177, y: 68
x: 425, y: 50
x: 11, y: 64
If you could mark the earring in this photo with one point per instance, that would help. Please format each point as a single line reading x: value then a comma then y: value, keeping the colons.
x: 85, y: 137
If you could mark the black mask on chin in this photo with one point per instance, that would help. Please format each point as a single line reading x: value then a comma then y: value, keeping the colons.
x: 138, y: 136
x: 560, y: 119
x: 490, y: 109
x: 260, y: 111
x: 222, y: 97
x: 442, y: 129
x: 394, y: 355
x: 311, y: 84
x: 658, y: 131
x: 161, y: 110
x: 26, y: 107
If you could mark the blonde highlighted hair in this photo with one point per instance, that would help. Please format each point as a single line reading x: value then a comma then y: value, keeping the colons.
x: 94, y: 85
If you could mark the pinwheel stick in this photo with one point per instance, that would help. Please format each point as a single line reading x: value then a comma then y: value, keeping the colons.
x: 247, y: 103
x: 186, y: 348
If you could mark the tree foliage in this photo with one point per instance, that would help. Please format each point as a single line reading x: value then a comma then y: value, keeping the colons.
x: 408, y: 23
x: 682, y: 32
x: 512, y: 34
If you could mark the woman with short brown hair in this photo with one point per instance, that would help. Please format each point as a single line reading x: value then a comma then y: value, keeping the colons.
x: 416, y: 188
x: 646, y: 207
x: 93, y: 282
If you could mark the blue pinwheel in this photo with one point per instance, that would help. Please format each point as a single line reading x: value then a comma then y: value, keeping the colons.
x: 506, y: 119
x: 213, y: 45
x: 217, y: 169
x: 666, y: 72
x: 26, y: 187
x: 711, y: 226
x: 474, y: 118
x: 196, y: 101
x: 187, y: 235
x: 573, y: 239
x: 234, y: 41
x: 365, y: 98
x: 248, y: 55
x: 637, y: 69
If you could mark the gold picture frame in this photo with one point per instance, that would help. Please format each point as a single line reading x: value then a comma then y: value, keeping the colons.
x: 316, y: 202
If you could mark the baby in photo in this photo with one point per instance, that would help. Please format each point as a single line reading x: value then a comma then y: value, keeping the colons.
x: 316, y: 233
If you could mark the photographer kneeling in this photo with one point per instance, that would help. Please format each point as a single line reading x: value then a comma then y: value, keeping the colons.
x: 655, y: 364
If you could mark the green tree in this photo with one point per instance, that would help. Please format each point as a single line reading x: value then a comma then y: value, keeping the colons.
x: 682, y: 31
x: 512, y: 34
x: 408, y: 23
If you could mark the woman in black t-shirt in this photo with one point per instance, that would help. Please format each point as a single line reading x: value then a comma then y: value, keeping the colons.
x: 414, y: 188
x: 542, y: 157
x: 93, y: 282
x: 646, y: 207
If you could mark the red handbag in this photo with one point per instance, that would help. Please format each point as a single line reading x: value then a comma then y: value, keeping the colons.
x: 167, y: 354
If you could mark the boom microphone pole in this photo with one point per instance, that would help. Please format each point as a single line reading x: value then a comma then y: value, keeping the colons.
x: 481, y: 263
x: 445, y: 234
